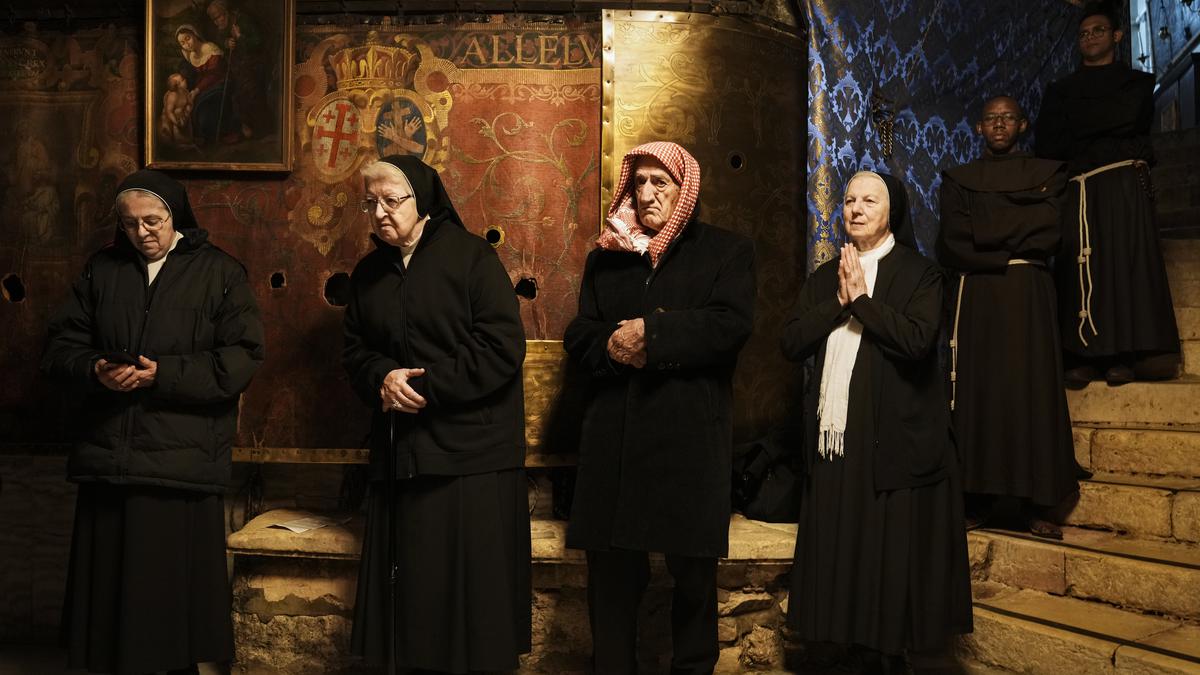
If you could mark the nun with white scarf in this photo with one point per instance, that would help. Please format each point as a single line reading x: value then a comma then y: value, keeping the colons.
x: 881, y: 558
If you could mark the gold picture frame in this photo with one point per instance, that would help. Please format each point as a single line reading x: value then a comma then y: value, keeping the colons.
x: 218, y: 84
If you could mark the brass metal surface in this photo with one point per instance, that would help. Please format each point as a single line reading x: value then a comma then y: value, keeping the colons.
x: 544, y: 374
x: 733, y: 93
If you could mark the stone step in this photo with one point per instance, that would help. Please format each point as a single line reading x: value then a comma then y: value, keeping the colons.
x: 1188, y: 319
x: 1182, y: 257
x: 1185, y: 292
x: 1178, y: 224
x: 1139, y: 451
x: 293, y: 598
x: 1031, y: 632
x: 1167, y: 508
x: 1191, y: 357
x: 1171, y: 404
x: 1149, y: 576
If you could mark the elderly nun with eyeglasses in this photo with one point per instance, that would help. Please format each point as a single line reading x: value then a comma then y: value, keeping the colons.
x: 160, y: 335
x: 434, y: 346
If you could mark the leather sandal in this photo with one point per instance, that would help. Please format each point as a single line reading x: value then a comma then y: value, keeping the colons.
x: 1118, y: 375
x: 1045, y: 529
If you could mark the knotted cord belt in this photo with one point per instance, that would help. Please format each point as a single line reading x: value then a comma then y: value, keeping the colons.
x: 962, y: 279
x: 1084, y: 260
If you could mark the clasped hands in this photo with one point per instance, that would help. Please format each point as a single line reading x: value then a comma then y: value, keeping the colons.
x: 851, y: 281
x: 397, y: 394
x: 123, y: 377
x: 627, y: 344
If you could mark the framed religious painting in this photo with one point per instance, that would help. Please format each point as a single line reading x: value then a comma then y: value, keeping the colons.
x: 218, y: 84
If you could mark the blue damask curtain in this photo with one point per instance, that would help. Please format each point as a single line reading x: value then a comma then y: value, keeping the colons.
x: 926, y: 66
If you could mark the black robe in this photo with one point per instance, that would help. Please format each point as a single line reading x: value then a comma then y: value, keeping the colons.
x: 656, y: 449
x: 881, y: 552
x: 1094, y: 117
x: 1010, y: 411
x: 460, y: 516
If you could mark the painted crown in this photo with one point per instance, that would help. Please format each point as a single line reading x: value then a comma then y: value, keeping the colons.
x: 375, y: 66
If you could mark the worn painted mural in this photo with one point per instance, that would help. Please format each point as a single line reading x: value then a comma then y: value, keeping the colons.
x: 508, y: 112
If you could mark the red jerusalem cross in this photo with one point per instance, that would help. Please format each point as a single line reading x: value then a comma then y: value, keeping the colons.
x: 336, y: 133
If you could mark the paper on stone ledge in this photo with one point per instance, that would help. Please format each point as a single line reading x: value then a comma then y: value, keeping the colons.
x: 310, y: 522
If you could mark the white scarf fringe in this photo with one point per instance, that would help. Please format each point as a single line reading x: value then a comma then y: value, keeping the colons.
x: 841, y: 352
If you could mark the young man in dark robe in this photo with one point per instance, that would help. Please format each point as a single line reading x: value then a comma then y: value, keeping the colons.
x: 999, y: 228
x: 1114, y: 303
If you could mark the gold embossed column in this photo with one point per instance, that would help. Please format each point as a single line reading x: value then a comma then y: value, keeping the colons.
x: 732, y: 92
x: 828, y: 64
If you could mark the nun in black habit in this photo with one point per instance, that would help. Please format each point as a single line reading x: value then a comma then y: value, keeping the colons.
x: 434, y: 346
x: 161, y: 333
x: 881, y: 553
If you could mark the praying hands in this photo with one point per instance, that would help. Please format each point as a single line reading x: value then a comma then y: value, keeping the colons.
x: 851, y: 280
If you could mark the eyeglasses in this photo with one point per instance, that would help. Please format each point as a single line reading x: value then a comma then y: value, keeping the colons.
x: 390, y: 203
x: 1006, y: 118
x: 1098, y: 31
x: 151, y: 223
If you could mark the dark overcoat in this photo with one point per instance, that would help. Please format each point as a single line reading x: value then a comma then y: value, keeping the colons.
x: 654, y: 461
x: 913, y: 442
x: 199, y: 322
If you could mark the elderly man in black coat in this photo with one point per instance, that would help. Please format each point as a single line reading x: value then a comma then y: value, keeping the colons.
x: 665, y: 306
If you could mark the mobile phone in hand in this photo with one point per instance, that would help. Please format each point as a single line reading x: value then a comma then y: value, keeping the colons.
x: 124, y: 358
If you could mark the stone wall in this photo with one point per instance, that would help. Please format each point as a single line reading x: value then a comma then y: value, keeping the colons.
x: 294, y: 597
x: 37, y: 505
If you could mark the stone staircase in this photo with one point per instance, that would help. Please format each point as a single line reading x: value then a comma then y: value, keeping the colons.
x: 1176, y: 176
x: 1121, y: 592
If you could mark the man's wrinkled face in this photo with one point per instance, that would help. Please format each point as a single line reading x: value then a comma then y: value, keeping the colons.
x: 1001, y: 124
x: 219, y: 16
x: 656, y: 193
x: 1098, y: 39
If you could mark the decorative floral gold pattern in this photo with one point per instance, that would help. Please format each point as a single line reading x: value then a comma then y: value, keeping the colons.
x: 931, y: 63
x: 716, y: 86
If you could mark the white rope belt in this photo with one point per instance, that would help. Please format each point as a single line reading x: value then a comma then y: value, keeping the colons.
x: 962, y: 279
x: 1084, y: 259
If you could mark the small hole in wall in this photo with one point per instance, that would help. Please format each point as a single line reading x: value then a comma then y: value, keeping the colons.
x: 526, y: 288
x: 337, y: 289
x: 278, y: 280
x: 494, y: 236
x: 13, y: 288
x: 736, y: 161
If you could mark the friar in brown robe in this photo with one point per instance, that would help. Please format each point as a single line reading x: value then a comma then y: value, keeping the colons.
x: 1115, y: 307
x: 999, y: 228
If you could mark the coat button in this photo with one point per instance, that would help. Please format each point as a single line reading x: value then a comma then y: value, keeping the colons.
x: 662, y: 366
x: 659, y: 310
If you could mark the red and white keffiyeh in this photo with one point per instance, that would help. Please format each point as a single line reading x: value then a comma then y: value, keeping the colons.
x: 623, y: 231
